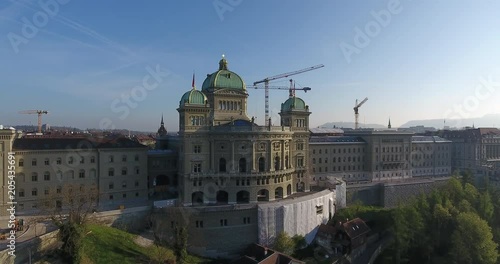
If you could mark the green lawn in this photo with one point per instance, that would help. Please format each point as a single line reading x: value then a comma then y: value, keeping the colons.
x: 104, y: 244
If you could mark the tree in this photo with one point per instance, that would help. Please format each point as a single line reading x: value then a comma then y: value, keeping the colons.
x: 472, y: 241
x: 69, y: 207
x: 180, y: 243
x: 486, y: 208
x: 284, y: 243
x: 467, y: 177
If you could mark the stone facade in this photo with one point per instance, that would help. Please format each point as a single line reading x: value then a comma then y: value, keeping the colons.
x: 228, y: 167
x: 378, y: 156
x: 46, y: 165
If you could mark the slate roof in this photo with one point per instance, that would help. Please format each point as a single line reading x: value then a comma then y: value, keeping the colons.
x: 429, y: 139
x: 355, y: 228
x: 51, y: 143
x: 258, y: 254
x: 336, y: 139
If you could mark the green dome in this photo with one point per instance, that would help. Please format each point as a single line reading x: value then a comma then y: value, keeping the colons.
x: 223, y: 79
x: 293, y: 103
x: 193, y: 97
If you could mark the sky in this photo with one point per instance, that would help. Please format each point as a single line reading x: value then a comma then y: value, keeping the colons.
x: 122, y: 64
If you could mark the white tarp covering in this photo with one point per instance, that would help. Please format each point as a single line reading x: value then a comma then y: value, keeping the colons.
x: 297, y: 216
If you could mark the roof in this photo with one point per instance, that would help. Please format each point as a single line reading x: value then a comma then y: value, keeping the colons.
x: 49, y: 143
x: 294, y: 103
x: 355, y: 228
x: 258, y: 254
x: 326, y: 131
x: 335, y: 139
x: 193, y: 97
x: 326, y: 229
x: 489, y: 131
x: 429, y: 139
x: 223, y: 78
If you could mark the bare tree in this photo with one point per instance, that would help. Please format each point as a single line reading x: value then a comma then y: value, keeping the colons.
x: 68, y: 207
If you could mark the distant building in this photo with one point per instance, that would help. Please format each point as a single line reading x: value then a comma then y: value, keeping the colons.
x: 417, y: 129
x: 361, y: 156
x: 475, y: 149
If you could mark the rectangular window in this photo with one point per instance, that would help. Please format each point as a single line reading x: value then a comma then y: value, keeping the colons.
x: 47, y: 162
x: 223, y: 222
x: 197, y: 149
x: 319, y: 209
x: 124, y: 158
x: 199, y: 224
x: 111, y: 186
x: 33, y: 162
x: 197, y: 167
x: 92, y: 159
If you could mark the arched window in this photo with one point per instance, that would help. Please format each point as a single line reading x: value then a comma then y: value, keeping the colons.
x: 278, y: 193
x: 277, y: 163
x: 289, y: 189
x: 34, y: 177
x: 263, y: 195
x: 262, y: 164
x: 222, y: 165
x: 243, y: 165
x: 222, y: 197
x: 197, y: 198
x: 242, y: 197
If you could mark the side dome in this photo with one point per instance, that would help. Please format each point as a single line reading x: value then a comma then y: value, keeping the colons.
x: 223, y: 79
x: 193, y: 97
x: 293, y: 103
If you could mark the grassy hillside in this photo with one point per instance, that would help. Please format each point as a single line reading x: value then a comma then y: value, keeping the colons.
x: 104, y: 244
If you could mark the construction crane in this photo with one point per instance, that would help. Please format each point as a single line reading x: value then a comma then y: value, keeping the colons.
x: 279, y: 76
x: 356, y: 112
x: 39, y: 112
x: 291, y: 89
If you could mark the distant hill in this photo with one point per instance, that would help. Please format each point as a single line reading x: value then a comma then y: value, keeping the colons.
x: 491, y: 120
x: 350, y: 125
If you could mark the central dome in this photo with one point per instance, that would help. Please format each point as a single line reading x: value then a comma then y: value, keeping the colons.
x: 223, y: 79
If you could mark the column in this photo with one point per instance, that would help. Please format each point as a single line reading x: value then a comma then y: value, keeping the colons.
x: 232, y: 156
x: 212, y: 154
x: 282, y: 160
x: 253, y: 156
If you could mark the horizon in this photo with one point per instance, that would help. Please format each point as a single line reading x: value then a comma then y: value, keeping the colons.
x: 413, y: 60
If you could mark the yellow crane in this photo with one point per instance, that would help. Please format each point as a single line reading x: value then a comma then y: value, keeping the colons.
x: 40, y: 113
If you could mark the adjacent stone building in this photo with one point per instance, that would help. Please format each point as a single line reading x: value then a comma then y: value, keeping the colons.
x: 44, y: 165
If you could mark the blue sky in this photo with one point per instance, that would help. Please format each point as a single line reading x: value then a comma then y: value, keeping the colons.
x: 426, y: 61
